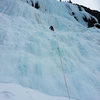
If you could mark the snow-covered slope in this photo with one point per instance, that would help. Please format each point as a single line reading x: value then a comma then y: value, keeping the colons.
x: 28, y: 49
x: 16, y: 92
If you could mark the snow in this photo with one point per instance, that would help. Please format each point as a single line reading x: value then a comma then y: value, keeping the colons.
x: 29, y: 57
x: 17, y: 92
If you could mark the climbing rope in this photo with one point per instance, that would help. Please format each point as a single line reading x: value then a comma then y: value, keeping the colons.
x: 66, y: 85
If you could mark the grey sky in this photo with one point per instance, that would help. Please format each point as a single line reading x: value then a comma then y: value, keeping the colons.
x: 93, y: 4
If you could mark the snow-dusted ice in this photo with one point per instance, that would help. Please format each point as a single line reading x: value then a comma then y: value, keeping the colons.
x: 17, y: 92
x: 29, y: 56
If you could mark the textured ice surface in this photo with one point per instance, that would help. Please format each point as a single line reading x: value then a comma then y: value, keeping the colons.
x: 28, y: 50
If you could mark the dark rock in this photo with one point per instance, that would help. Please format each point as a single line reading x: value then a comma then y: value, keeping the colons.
x: 75, y: 18
x: 32, y: 3
x: 94, y: 13
x: 73, y: 13
x: 91, y: 21
x: 37, y: 5
x: 97, y: 25
x: 85, y: 19
x: 69, y: 1
x: 79, y: 7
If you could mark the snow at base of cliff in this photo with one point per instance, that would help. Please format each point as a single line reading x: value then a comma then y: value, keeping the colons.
x: 17, y: 92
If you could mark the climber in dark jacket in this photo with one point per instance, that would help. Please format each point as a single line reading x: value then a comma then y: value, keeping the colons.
x: 51, y: 27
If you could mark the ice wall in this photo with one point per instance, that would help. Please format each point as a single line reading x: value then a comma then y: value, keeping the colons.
x: 28, y: 50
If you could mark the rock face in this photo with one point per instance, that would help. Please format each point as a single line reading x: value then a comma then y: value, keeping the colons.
x: 80, y: 13
x: 94, y: 19
x: 97, y: 25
